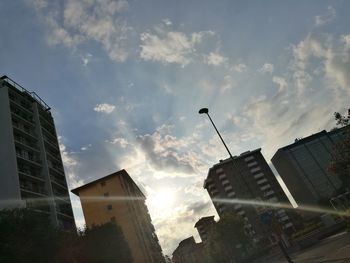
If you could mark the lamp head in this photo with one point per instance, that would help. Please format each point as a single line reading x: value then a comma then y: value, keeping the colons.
x: 203, y: 110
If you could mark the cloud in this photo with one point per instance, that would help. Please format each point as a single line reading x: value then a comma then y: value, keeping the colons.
x: 165, y: 152
x: 86, y: 59
x: 74, y: 22
x: 240, y: 68
x: 167, y: 22
x: 333, y: 55
x: 120, y: 142
x: 104, y: 107
x: 267, y: 68
x: 214, y: 59
x: 281, y: 82
x: 69, y: 163
x: 172, y: 47
x: 329, y: 16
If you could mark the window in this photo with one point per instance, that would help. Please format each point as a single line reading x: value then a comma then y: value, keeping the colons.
x: 103, y: 183
x: 109, y: 207
x: 106, y: 194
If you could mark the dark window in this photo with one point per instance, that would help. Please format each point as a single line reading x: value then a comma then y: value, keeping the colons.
x: 103, y: 183
x: 109, y: 207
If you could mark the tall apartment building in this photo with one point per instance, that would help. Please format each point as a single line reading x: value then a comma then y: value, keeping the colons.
x: 248, y: 176
x: 204, y: 226
x: 31, y: 170
x: 303, y: 166
x: 117, y: 198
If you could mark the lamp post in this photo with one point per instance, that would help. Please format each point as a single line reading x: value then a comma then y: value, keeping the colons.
x: 206, y: 111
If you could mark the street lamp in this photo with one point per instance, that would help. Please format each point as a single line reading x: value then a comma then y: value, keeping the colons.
x: 206, y: 111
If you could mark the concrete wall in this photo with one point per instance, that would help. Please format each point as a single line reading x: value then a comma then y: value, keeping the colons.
x: 9, y: 186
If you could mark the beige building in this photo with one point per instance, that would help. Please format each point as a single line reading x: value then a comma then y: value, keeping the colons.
x: 116, y: 198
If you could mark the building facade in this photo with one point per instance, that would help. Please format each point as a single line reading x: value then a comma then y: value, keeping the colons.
x: 204, y: 226
x: 117, y: 198
x: 248, y: 177
x: 304, y: 167
x: 31, y: 170
x: 188, y: 251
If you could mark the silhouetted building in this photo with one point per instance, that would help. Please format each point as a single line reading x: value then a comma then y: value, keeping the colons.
x: 204, y: 226
x: 248, y: 177
x: 31, y: 170
x: 116, y: 198
x: 188, y: 251
x: 304, y: 167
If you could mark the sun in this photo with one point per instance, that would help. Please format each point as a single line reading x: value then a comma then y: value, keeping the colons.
x: 162, y: 199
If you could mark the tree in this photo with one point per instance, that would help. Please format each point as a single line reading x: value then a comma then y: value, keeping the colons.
x: 340, y: 160
x: 105, y: 244
x: 227, y: 239
x: 29, y: 236
x: 26, y: 236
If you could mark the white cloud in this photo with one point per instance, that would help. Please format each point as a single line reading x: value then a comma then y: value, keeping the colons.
x: 171, y: 47
x: 104, y: 107
x: 214, y: 59
x: 86, y: 59
x: 70, y: 163
x: 240, y: 67
x: 120, y: 141
x: 281, y: 82
x: 329, y: 16
x: 74, y: 22
x: 267, y: 68
x: 167, y: 22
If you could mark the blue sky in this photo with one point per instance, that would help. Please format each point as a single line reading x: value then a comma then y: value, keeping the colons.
x: 125, y: 80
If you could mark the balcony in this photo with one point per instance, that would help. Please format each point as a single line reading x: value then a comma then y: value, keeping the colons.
x: 59, y: 182
x: 22, y: 117
x: 32, y: 188
x: 51, y: 134
x: 222, y: 176
x: 251, y: 164
x: 249, y: 158
x: 269, y: 193
x: 262, y: 181
x: 32, y: 175
x: 228, y: 188
x: 256, y: 169
x: 258, y: 176
x: 24, y: 131
x: 29, y: 159
x: 231, y: 194
x: 265, y: 187
x: 23, y: 143
x: 225, y: 182
x: 219, y: 170
x: 26, y: 107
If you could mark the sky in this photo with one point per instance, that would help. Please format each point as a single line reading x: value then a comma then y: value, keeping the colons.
x: 125, y: 81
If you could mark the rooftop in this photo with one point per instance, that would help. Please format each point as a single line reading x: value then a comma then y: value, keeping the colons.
x: 119, y: 173
x: 32, y: 94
